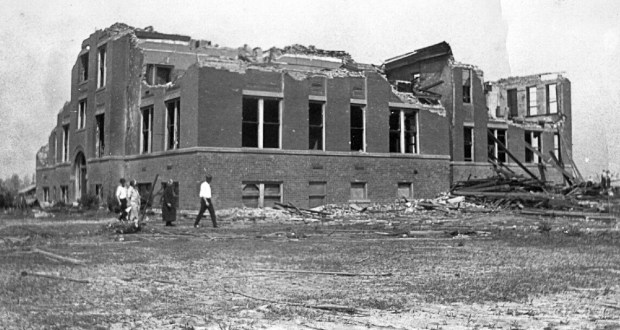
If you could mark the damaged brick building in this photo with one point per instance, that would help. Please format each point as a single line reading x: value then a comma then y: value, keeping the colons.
x: 297, y: 124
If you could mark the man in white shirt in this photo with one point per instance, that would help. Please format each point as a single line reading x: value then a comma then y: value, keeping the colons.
x: 205, y: 202
x: 121, y: 197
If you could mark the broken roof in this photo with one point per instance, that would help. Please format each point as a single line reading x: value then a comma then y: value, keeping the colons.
x: 436, y: 50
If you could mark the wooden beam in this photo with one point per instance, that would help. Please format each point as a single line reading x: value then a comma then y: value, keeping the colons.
x: 503, y: 147
x: 556, y: 163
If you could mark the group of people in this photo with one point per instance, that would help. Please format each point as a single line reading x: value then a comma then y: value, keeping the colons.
x: 606, y: 180
x: 129, y: 200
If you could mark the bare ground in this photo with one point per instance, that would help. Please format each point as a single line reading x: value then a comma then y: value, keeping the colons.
x: 407, y: 271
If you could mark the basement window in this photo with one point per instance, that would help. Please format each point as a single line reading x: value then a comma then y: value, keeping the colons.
x: 260, y: 123
x: 158, y: 74
x: 533, y: 139
x: 81, y: 115
x: 358, y: 191
x: 468, y: 144
x: 83, y: 72
x: 358, y: 138
x: 101, y: 66
x: 405, y: 189
x: 316, y: 125
x: 100, y: 135
x: 261, y: 194
x: 146, y: 139
x: 552, y: 99
x: 317, y: 192
x: 532, y: 105
x: 403, y: 131
x: 466, y: 86
x: 64, y: 194
x: 65, y: 143
x: 495, y: 152
x: 172, y: 124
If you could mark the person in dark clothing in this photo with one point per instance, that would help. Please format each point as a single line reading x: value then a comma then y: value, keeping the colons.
x: 168, y: 208
x: 205, y: 202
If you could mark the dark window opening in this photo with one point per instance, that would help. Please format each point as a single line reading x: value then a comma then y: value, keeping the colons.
x: 415, y: 80
x: 173, y: 124
x: 394, y: 130
x: 271, y: 123
x: 315, y: 122
x: 556, y: 147
x: 466, y: 86
x: 158, y: 75
x: 147, y: 130
x: 83, y: 67
x: 357, y: 128
x: 64, y: 194
x: 552, y: 99
x: 81, y: 115
x: 532, y: 104
x: 468, y: 145
x: 513, y: 108
x: 65, y: 143
x: 102, y: 59
x: 249, y: 131
x: 533, y: 139
x: 100, y: 135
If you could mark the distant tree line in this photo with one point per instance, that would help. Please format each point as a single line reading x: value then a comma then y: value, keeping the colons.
x: 10, y: 186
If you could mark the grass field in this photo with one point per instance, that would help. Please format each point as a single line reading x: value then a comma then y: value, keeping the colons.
x: 499, y: 271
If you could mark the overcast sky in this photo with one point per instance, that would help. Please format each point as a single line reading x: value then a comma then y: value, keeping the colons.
x: 39, y: 42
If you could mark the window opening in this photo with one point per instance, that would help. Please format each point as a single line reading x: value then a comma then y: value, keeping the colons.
x: 403, y: 131
x: 317, y: 192
x: 260, y: 123
x: 358, y: 190
x: 513, y: 107
x: 466, y: 86
x: 100, y: 135
x: 552, y: 99
x: 65, y: 143
x: 84, y: 67
x: 358, y: 142
x: 173, y: 125
x: 468, y: 145
x: 532, y: 105
x: 81, y: 118
x: 147, y: 130
x: 495, y: 152
x: 102, y: 64
x: 158, y: 75
x: 534, y: 140
x: 315, y: 121
x: 261, y: 194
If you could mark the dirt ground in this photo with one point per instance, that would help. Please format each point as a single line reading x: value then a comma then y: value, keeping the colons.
x: 421, y: 270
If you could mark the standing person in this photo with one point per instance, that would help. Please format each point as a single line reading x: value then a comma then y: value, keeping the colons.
x: 168, y: 207
x: 134, y: 202
x: 121, y: 197
x: 205, y: 202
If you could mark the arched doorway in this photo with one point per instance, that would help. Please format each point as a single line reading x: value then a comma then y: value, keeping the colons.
x: 80, y: 175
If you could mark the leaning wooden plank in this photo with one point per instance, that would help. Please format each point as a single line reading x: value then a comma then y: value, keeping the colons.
x: 336, y: 308
x: 58, y: 257
x: 590, y: 215
x: 56, y: 277
x: 319, y: 273
x: 568, y: 153
x: 506, y: 195
x: 523, y: 167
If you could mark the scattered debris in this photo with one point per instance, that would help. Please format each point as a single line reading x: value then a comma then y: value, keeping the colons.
x: 318, y: 272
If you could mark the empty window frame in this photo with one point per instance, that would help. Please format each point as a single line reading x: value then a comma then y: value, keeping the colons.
x: 552, y: 99
x: 81, y: 115
x: 173, y: 127
x: 260, y: 123
x: 158, y: 74
x: 55, y: 145
x: 261, y: 194
x: 316, y: 194
x: 102, y: 59
x: 65, y: 143
x: 83, y: 72
x: 495, y: 152
x: 403, y: 131
x: 46, y: 194
x: 358, y: 191
x: 466, y: 86
x: 468, y: 144
x: 532, y: 104
x: 64, y: 194
x: 415, y: 80
x: 99, y: 135
x: 146, y: 139
x: 405, y: 190
x: 513, y: 105
x: 358, y: 122
x: 99, y: 191
x: 316, y: 123
x: 556, y: 146
x: 534, y: 140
